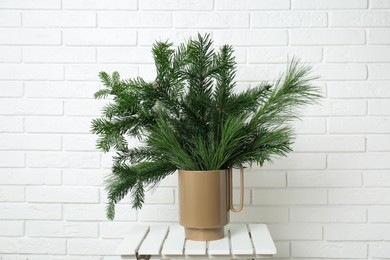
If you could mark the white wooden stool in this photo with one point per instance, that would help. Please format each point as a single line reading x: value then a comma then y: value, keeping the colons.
x: 244, y: 241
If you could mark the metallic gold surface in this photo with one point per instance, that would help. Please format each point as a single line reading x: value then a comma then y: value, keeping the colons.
x: 204, y: 203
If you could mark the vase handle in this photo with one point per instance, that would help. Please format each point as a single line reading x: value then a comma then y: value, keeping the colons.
x: 230, y: 175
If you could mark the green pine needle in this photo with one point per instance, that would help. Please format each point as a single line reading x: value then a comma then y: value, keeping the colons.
x: 191, y: 117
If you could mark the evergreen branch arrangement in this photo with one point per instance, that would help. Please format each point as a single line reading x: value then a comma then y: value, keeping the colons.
x: 190, y: 117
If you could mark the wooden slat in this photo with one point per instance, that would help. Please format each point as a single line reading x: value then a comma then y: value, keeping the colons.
x: 174, y: 243
x: 262, y: 240
x: 240, y: 240
x: 130, y: 245
x: 154, y: 240
x: 195, y: 247
x: 246, y: 241
x: 220, y: 247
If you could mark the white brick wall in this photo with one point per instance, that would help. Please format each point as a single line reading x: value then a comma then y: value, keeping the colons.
x: 329, y: 199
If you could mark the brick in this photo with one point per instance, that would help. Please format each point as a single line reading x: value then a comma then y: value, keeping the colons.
x: 338, y: 108
x: 10, y: 54
x: 106, y: 160
x: 306, y: 143
x: 356, y: 232
x: 51, y: 124
x: 328, y: 214
x: 380, y: 4
x: 170, y: 181
x: 289, y: 196
x: 101, y: 37
x: 342, y: 71
x: 379, y: 71
x: 62, y: 19
x: 329, y: 250
x: 29, y: 142
x: 148, y: 72
x: 359, y: 19
x: 251, y: 37
x: 79, y: 142
x: 91, y: 246
x: 374, y: 160
x: 310, y: 125
x: 53, y: 257
x: 324, y: 179
x: 84, y: 107
x: 163, y: 213
x: 30, y: 37
x: 295, y: 231
x: 61, y: 229
x: 193, y: 5
x: 260, y: 178
x: 116, y: 229
x: 177, y: 36
x: 31, y: 72
x: 133, y: 19
x: 63, y: 90
x: 13, y: 257
x: 289, y: 19
x: 329, y: 4
x: 26, y: 4
x: 30, y: 176
x: 376, y: 178
x: 97, y: 212
x: 379, y: 36
x: 91, y: 72
x: 259, y: 73
x: 297, y: 161
x: 83, y: 177
x: 12, y: 194
x: 11, y: 89
x: 159, y: 5
x: 377, y: 143
x: 91, y: 212
x: 100, y: 4
x: 62, y: 194
x: 24, y: 245
x: 380, y: 214
x: 10, y: 19
x: 327, y: 37
x: 210, y: 20
x: 12, y: 159
x: 240, y: 55
x: 252, y: 5
x: 358, y: 196
x: 11, y: 124
x: 359, y: 125
x: 63, y: 160
x: 11, y: 228
x: 282, y: 248
x: 12, y: 106
x: 250, y: 214
x: 59, y: 55
x: 379, y: 249
x: 160, y: 196
x: 26, y: 211
x: 283, y: 54
x: 357, y: 54
x: 125, y: 55
x: 358, y: 89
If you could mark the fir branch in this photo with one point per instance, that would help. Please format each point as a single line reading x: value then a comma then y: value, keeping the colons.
x: 190, y: 117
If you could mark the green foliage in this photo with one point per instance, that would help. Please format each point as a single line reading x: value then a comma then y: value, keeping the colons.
x: 191, y: 118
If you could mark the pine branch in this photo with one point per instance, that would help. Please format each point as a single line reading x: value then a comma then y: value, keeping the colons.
x: 133, y: 179
x: 190, y: 117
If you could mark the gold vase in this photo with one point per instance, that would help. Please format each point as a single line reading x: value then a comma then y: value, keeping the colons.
x: 205, y: 199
